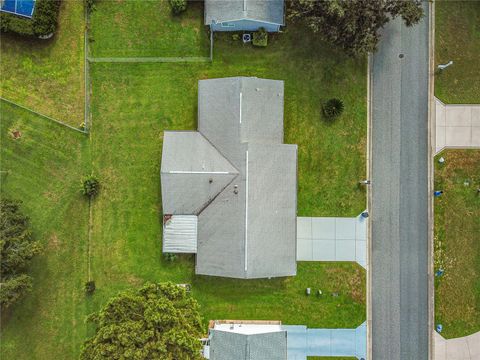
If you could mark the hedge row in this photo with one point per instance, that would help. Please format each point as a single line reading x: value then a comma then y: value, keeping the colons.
x: 43, y: 22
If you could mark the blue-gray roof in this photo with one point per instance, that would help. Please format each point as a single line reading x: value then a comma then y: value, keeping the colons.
x: 271, y: 11
x: 238, y: 177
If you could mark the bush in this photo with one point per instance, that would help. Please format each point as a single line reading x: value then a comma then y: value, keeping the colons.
x: 170, y: 256
x: 178, y: 6
x: 90, y: 186
x: 236, y: 37
x: 90, y: 287
x: 333, y: 108
x: 260, y: 37
x: 43, y: 22
x: 90, y: 4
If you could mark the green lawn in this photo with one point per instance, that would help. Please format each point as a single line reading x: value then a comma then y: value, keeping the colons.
x: 132, y: 104
x: 457, y: 249
x: 132, y: 28
x: 457, y: 38
x: 48, y: 75
x: 43, y: 168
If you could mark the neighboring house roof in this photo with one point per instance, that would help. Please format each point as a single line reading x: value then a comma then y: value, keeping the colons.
x: 226, y: 345
x: 271, y: 11
x: 238, y: 178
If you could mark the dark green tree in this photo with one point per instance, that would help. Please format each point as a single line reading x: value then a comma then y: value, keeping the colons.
x: 159, y: 321
x: 17, y: 249
x: 178, y: 6
x: 353, y: 24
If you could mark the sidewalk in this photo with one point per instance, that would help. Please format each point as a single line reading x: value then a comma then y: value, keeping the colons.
x: 456, y: 126
x: 464, y: 348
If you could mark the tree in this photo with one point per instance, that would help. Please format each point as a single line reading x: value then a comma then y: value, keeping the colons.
x: 353, y: 24
x: 159, y: 321
x: 17, y: 249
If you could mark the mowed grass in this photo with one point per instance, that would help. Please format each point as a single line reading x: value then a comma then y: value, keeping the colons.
x: 132, y: 28
x: 457, y: 245
x: 457, y: 38
x: 43, y: 169
x: 47, y: 76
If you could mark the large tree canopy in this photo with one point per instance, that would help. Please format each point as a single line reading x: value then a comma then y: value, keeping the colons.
x: 159, y: 321
x: 17, y: 249
x: 353, y: 24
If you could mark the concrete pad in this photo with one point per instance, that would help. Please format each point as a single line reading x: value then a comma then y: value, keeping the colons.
x: 473, y: 342
x: 457, y: 349
x: 304, y: 227
x: 475, y: 136
x: 458, y: 116
x: 319, y: 342
x: 458, y: 136
x: 439, y: 137
x: 323, y: 228
x: 361, y: 228
x: 476, y: 115
x: 345, y: 250
x: 439, y: 347
x: 361, y: 251
x: 439, y: 113
x: 304, y: 249
x: 361, y: 341
x: 345, y: 228
x: 323, y: 250
x: 343, y: 342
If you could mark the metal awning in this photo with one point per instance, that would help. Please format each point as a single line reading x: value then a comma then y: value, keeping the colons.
x: 180, y: 234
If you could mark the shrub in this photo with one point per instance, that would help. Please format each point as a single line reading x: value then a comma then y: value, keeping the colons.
x: 260, y: 37
x: 170, y: 256
x: 333, y: 108
x: 236, y: 37
x: 43, y: 22
x: 90, y: 287
x: 178, y: 6
x: 90, y: 186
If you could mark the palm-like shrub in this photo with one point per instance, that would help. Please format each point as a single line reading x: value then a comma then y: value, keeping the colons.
x: 333, y: 108
x: 178, y: 6
x: 90, y: 186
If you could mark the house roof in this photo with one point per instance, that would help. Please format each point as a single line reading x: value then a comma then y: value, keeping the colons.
x: 271, y: 11
x: 238, y: 178
x: 226, y: 345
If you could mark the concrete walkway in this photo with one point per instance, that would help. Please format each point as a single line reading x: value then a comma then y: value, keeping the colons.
x: 303, y: 342
x: 332, y: 239
x: 464, y: 348
x: 456, y: 126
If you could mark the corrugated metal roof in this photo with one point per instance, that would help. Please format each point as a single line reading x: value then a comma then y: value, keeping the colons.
x: 271, y: 11
x: 180, y: 234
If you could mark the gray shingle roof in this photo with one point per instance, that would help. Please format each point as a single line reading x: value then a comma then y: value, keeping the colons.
x: 271, y: 11
x: 241, y: 182
x: 232, y: 346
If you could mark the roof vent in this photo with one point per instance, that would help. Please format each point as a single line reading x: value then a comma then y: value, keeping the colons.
x: 257, y: 89
x: 210, y: 180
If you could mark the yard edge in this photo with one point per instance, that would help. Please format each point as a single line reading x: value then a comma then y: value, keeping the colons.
x: 431, y: 169
x: 369, y: 203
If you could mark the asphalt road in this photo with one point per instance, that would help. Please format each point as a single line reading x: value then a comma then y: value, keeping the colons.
x: 399, y: 210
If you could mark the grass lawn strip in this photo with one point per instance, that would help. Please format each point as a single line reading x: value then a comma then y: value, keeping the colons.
x: 457, y: 249
x: 43, y: 168
x: 47, y: 76
x: 457, y: 38
x: 133, y: 28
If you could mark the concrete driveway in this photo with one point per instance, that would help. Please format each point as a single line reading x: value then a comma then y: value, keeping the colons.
x: 464, y: 348
x: 332, y: 239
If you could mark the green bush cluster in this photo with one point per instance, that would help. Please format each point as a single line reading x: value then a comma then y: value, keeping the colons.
x: 43, y: 22
x: 90, y: 287
x: 178, y: 6
x: 333, y: 108
x: 90, y: 186
x: 260, y: 37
